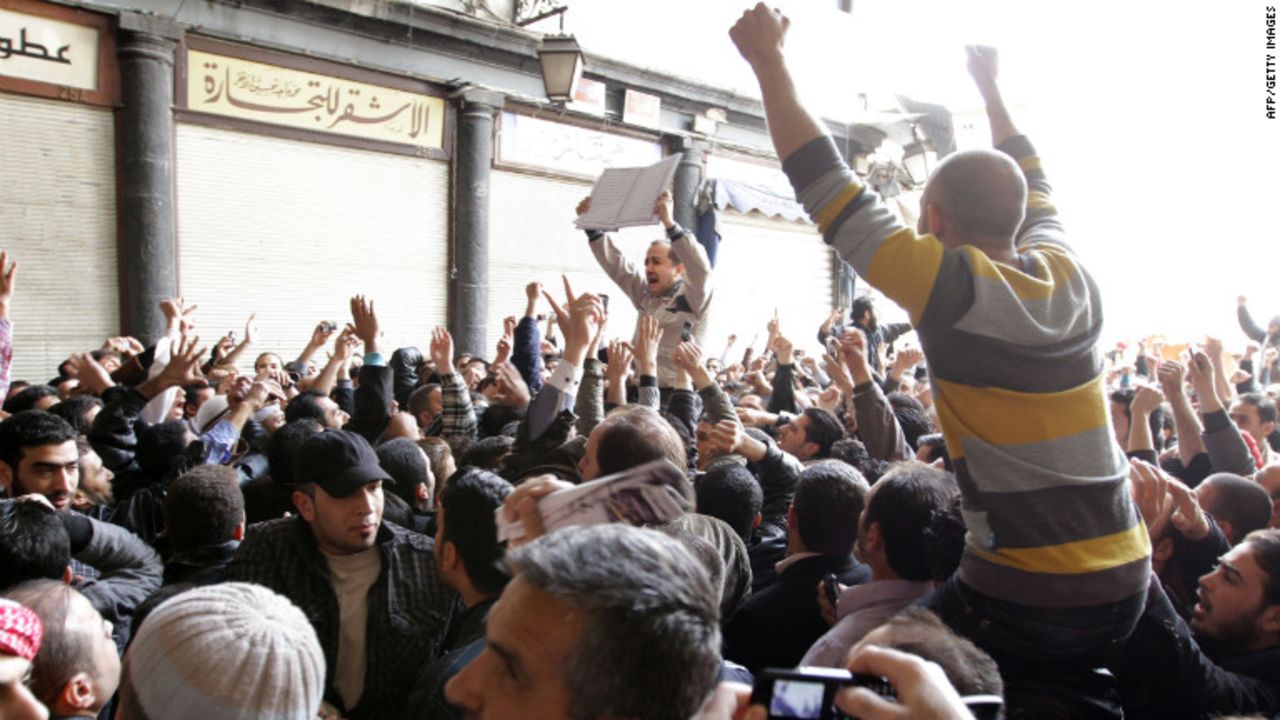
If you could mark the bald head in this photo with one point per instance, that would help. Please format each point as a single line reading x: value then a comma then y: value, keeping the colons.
x: 980, y: 197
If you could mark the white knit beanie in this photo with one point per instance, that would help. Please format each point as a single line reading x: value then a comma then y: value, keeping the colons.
x: 233, y: 651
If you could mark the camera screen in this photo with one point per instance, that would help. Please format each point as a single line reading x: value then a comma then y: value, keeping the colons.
x: 796, y: 699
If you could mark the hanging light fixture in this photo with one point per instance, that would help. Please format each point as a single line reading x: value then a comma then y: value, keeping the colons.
x: 561, y: 61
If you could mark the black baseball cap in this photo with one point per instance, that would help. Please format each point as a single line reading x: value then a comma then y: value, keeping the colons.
x: 339, y: 461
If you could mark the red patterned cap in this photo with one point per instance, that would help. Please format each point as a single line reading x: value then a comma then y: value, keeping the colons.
x: 20, y: 630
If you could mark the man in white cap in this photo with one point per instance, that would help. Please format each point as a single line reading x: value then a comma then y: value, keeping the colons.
x: 233, y: 651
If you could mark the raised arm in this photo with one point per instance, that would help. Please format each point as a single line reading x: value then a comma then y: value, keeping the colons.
x: 458, y: 417
x: 697, y: 267
x: 984, y: 63
x: 8, y: 272
x: 760, y: 35
x: 1041, y: 214
x: 620, y: 270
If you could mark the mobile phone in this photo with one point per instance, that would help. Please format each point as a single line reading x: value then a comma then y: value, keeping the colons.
x: 831, y: 586
x: 809, y: 693
x: 231, y: 335
x: 686, y: 331
x: 604, y: 300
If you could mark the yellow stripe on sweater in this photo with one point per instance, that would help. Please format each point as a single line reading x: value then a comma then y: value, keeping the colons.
x: 1083, y: 556
x: 1040, y: 201
x: 1029, y: 163
x: 1008, y: 417
x: 832, y: 210
x: 905, y: 267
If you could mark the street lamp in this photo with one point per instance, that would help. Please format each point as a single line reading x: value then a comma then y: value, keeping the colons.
x: 561, y: 61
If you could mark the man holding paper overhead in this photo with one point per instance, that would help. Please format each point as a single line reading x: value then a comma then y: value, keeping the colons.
x: 675, y: 286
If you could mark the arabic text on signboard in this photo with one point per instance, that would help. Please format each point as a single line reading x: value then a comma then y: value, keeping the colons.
x: 276, y: 95
x: 49, y: 51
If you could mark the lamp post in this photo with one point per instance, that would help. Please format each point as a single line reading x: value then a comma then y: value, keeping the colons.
x: 561, y: 61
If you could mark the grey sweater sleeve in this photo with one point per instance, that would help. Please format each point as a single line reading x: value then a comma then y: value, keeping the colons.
x: 717, y: 405
x: 1226, y: 448
x: 589, y: 406
x: 878, y: 426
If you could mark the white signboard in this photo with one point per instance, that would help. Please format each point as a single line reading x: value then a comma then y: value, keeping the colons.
x: 48, y: 51
x: 536, y: 143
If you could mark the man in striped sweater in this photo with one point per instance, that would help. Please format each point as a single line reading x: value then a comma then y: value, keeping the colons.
x: 1057, y: 559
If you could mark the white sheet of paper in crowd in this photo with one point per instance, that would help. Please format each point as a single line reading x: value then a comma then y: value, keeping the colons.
x: 650, y: 494
x: 624, y: 197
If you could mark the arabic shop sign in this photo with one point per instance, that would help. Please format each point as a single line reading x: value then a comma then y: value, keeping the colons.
x: 48, y: 51
x: 271, y: 94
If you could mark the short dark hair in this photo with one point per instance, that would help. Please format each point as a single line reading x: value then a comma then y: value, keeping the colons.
x: 731, y: 493
x: 63, y: 652
x: 911, y: 416
x: 824, y: 430
x: 634, y: 436
x: 438, y: 454
x: 1240, y: 501
x: 305, y: 405
x: 971, y: 671
x: 850, y: 450
x: 160, y: 444
x: 26, y: 398
x: 418, y: 398
x: 937, y: 444
x: 203, y: 507
x: 468, y: 502
x: 487, y: 453
x: 35, y: 542
x: 191, y: 391
x: 284, y: 445
x: 406, y: 463
x: 1266, y: 552
x: 499, y: 419
x: 74, y: 409
x: 1266, y: 408
x: 944, y: 540
x: 30, y: 429
x: 902, y: 503
x: 651, y: 625
x: 829, y: 498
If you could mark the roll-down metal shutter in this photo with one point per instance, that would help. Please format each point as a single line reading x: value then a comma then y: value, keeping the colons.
x: 58, y: 219
x: 292, y: 229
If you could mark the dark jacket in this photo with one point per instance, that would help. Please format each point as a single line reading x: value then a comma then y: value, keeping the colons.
x: 776, y: 626
x: 205, y: 565
x: 372, y: 402
x: 1164, y: 674
x: 404, y: 370
x: 465, y: 642
x: 409, y: 607
x: 128, y: 570
x: 777, y: 472
x: 526, y: 353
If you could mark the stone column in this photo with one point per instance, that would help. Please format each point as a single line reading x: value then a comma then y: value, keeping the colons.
x: 144, y: 142
x: 472, y: 158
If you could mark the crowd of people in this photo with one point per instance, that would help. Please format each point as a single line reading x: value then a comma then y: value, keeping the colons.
x: 981, y: 506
